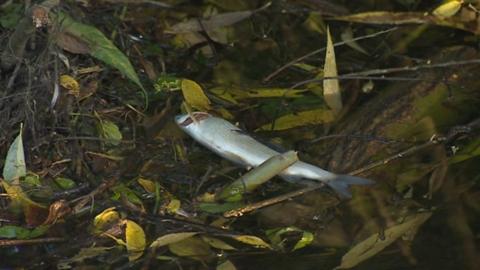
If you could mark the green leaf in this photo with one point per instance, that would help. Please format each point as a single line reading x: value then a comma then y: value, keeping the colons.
x: 277, y: 239
x: 16, y: 232
x: 11, y: 15
x: 122, y: 190
x: 65, y: 183
x: 15, y: 166
x: 471, y: 150
x: 99, y: 46
x: 109, y: 131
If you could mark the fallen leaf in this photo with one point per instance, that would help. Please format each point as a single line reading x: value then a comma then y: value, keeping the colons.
x: 226, y: 265
x: 83, y: 254
x: 252, y: 241
x: 277, y: 239
x: 194, y: 95
x: 147, y: 184
x: 69, y: 83
x: 95, y: 41
x: 193, y: 247
x: 109, y: 131
x: 16, y: 232
x: 234, y: 94
x: 15, y: 166
x: 331, y: 87
x: 374, y: 244
x: 448, y: 9
x: 303, y: 118
x: 217, y: 243
x: 71, y: 43
x: 347, y: 37
x: 135, y: 240
x: 215, y: 21
x: 107, y: 217
x: 171, y: 238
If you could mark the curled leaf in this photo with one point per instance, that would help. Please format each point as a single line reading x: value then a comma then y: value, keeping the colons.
x: 448, y: 9
x: 69, y: 83
x: 135, y: 240
x: 105, y: 218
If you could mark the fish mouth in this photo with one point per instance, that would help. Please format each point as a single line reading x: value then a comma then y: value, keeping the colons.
x: 185, y: 120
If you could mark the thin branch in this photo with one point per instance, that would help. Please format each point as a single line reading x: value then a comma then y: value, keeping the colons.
x: 310, y: 54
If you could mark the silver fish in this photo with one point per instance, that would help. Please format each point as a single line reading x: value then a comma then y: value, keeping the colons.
x: 232, y: 143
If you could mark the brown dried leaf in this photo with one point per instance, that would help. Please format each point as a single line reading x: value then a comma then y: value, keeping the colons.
x: 71, y: 43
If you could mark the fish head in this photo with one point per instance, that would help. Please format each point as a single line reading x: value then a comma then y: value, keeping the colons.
x: 190, y: 122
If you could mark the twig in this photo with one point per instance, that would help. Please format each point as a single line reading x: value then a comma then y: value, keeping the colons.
x: 453, y: 133
x: 23, y: 242
x: 310, y: 54
x: 365, y: 75
x: 254, y: 206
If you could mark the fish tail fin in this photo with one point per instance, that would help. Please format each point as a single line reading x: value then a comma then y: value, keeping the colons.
x: 341, y: 184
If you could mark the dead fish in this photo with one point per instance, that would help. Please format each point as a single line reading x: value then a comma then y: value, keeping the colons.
x: 234, y: 144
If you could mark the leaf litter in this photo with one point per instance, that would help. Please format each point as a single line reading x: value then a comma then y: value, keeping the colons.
x: 113, y: 171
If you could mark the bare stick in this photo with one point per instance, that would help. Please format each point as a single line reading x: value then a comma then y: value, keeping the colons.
x: 453, y: 133
x: 310, y: 54
x: 366, y: 75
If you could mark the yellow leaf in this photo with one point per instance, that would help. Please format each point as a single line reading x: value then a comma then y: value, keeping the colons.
x: 173, y: 206
x: 448, y: 9
x: 18, y: 197
x: 315, y: 116
x: 69, y: 83
x: 194, y: 95
x: 135, y: 240
x: 331, y: 87
x: 105, y: 218
x: 252, y: 241
x: 234, y: 94
x: 148, y: 185
x: 374, y: 244
x: 171, y: 238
